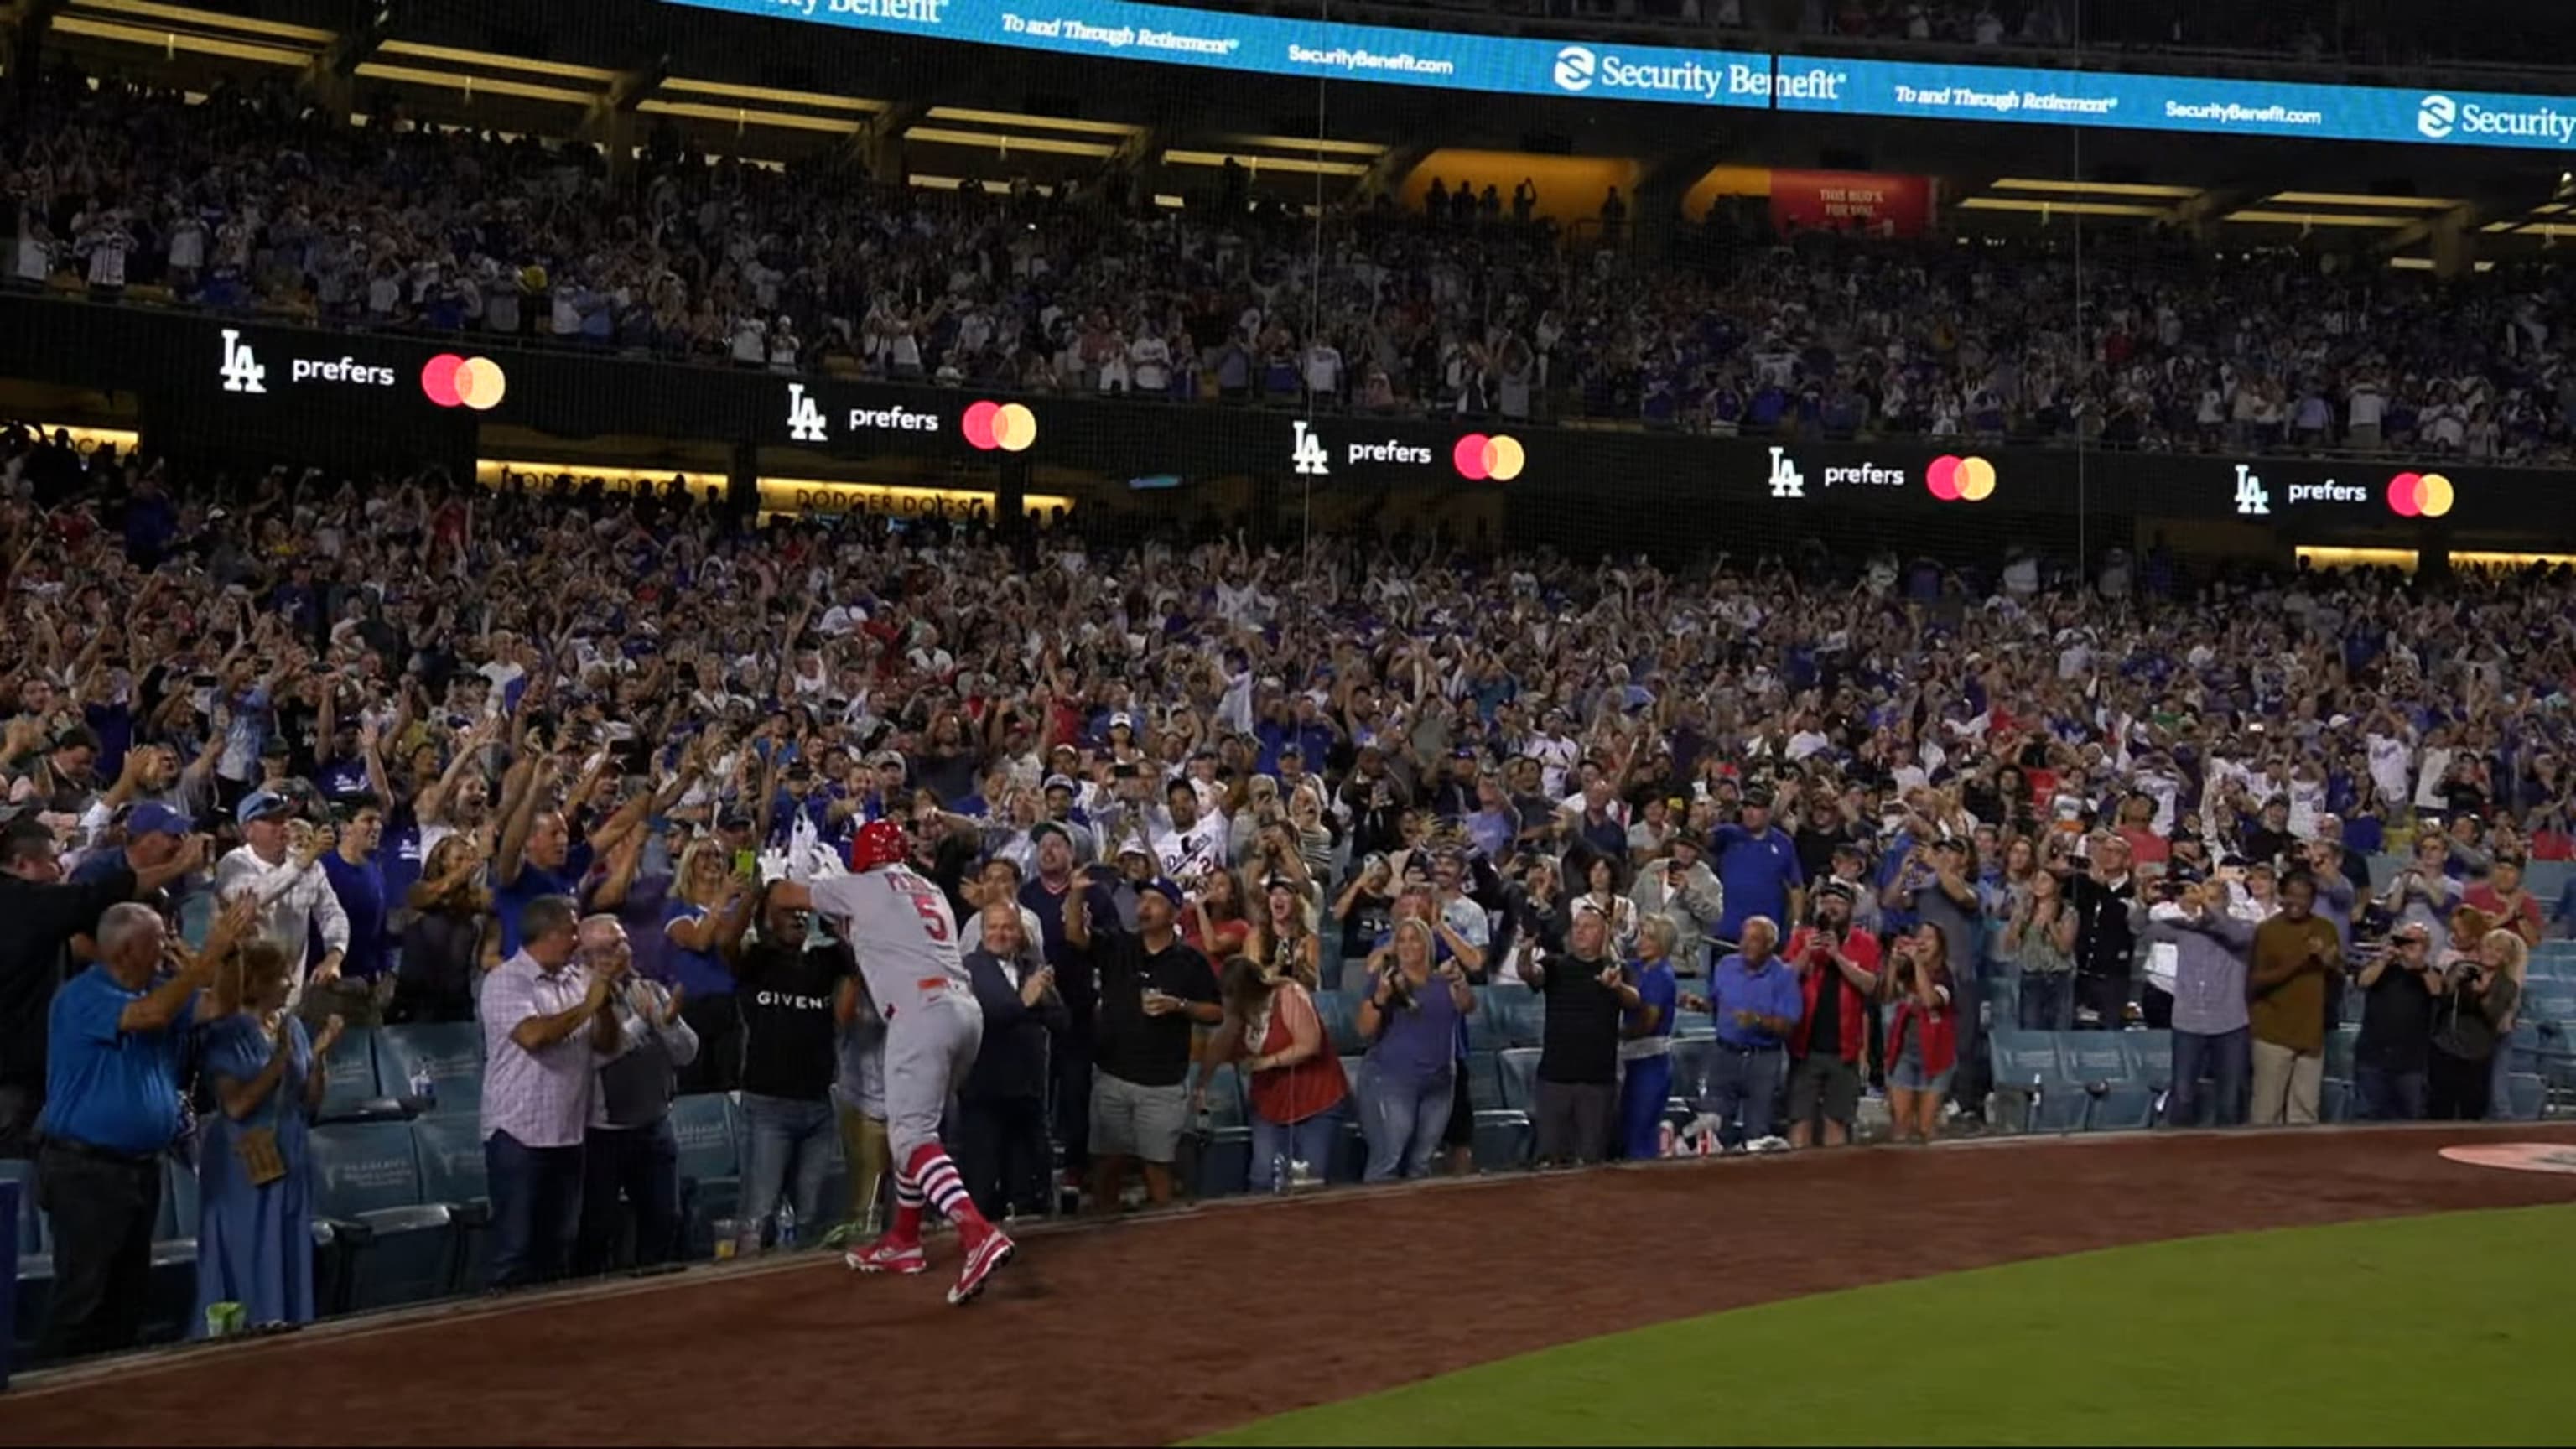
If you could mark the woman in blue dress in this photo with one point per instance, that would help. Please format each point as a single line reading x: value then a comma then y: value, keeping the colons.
x: 254, y: 1172
x: 1646, y: 1043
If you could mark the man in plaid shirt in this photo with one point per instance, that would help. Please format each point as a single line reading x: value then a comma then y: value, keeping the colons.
x: 547, y: 1018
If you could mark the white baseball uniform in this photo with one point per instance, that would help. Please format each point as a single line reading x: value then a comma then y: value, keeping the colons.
x: 905, y: 937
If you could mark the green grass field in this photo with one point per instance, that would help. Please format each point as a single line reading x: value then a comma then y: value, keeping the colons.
x: 2452, y: 1328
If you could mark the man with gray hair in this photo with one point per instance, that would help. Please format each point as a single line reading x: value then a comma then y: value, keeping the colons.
x: 1757, y: 1004
x: 629, y: 1150
x: 111, y: 1109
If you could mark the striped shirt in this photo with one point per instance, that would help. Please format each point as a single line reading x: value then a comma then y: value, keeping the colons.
x: 541, y: 1098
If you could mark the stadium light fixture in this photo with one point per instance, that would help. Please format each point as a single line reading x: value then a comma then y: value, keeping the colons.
x: 1041, y: 123
x: 1006, y: 144
x: 745, y: 116
x: 2260, y: 216
x: 772, y: 95
x: 2058, y: 208
x: 469, y: 84
x: 172, y: 42
x: 1296, y: 164
x: 190, y: 16
x: 497, y: 61
x: 2094, y: 188
x: 2345, y: 198
x: 1309, y: 143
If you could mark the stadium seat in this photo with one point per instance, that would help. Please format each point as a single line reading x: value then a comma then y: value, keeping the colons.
x: 1340, y: 1013
x: 450, y: 1149
x: 35, y: 1265
x: 1691, y: 1057
x: 451, y: 1052
x: 391, y: 1246
x: 710, y: 1169
x: 1489, y: 1030
x: 1524, y: 1016
x: 171, y: 1300
x: 2526, y: 1096
x: 1502, y: 1130
x: 351, y: 1092
x: 1484, y: 1080
x: 2150, y: 1056
x: 1350, y: 1152
x: 1225, y: 1153
x: 2031, y: 1086
x: 2097, y: 1064
x: 2336, y: 1099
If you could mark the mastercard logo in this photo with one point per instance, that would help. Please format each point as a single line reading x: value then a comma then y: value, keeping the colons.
x: 1007, y: 426
x: 464, y: 382
x: 1480, y: 458
x: 1960, y: 480
x: 2420, y: 495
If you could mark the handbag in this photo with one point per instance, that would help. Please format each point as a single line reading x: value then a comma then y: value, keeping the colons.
x: 261, y: 1160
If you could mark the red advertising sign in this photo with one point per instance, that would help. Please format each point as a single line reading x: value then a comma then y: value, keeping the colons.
x: 1851, y: 200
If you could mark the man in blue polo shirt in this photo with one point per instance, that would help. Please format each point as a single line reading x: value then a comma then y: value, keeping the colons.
x: 1757, y: 1003
x: 111, y: 1110
x: 1757, y: 867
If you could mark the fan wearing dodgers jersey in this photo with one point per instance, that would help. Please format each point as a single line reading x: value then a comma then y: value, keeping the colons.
x: 1189, y: 844
x: 900, y: 927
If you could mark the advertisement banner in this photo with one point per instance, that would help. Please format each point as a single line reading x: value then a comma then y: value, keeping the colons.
x: 1848, y: 201
x: 2208, y: 106
x: 1307, y: 49
x: 1610, y: 70
x: 374, y: 401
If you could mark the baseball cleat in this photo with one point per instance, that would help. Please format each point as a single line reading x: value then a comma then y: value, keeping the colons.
x: 988, y: 1254
x: 886, y: 1255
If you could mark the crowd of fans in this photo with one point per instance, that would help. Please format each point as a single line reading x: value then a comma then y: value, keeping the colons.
x: 1168, y: 782
x: 1475, y: 310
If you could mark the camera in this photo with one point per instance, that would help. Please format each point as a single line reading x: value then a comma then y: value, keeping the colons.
x: 1399, y: 993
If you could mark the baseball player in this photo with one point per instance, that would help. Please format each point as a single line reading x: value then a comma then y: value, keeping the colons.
x: 905, y: 937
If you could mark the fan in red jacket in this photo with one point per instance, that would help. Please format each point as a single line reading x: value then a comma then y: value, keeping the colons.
x: 1828, y: 1046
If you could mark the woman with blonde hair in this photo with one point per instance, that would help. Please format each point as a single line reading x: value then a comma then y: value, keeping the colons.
x: 1410, y: 1017
x: 709, y: 907
x: 265, y: 1078
x: 2478, y: 996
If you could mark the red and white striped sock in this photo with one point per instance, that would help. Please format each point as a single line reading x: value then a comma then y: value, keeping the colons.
x: 940, y: 1182
x: 907, y: 1206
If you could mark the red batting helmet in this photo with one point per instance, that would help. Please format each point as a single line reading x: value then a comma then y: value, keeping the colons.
x: 879, y: 842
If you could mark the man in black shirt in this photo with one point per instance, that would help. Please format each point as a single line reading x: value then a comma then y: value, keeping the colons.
x: 1153, y: 985
x: 793, y: 994
x: 2390, y: 1059
x: 1577, y: 1094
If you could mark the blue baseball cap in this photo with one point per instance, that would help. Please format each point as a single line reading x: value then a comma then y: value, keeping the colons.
x: 153, y: 818
x: 1167, y: 888
x: 261, y: 805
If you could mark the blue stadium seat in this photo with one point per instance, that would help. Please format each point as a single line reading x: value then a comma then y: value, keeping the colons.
x: 1484, y: 1080
x: 1225, y: 1157
x: 392, y: 1245
x: 171, y: 1299
x: 350, y: 1092
x: 2526, y: 1095
x: 2150, y: 1058
x: 1691, y: 1059
x: 1524, y: 1015
x: 1488, y: 1030
x: 2552, y: 1000
x: 1502, y: 1132
x: 35, y: 1265
x: 450, y: 1149
x: 2335, y: 1097
x: 2031, y: 1085
x: 452, y: 1053
x: 1340, y: 1013
x: 2097, y: 1064
x: 710, y: 1168
x: 1350, y: 1153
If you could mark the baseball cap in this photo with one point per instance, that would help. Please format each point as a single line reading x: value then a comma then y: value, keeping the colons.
x: 1122, y: 718
x: 262, y: 805
x: 2411, y: 931
x: 1045, y: 828
x: 153, y: 818
x: 1133, y: 848
x: 1834, y: 888
x: 1059, y: 782
x: 1168, y: 889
